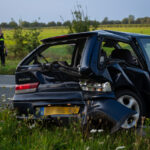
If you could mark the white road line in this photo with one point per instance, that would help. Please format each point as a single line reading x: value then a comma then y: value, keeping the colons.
x: 7, y: 86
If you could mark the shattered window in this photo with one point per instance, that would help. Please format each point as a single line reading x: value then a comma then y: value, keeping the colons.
x: 59, y: 53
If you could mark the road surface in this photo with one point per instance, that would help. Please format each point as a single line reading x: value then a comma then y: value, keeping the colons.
x: 7, y: 85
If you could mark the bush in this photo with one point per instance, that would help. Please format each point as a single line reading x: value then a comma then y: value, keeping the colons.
x: 24, y: 41
x: 80, y: 21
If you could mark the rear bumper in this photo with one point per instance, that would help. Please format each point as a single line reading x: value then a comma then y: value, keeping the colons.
x: 92, y: 105
x: 27, y: 103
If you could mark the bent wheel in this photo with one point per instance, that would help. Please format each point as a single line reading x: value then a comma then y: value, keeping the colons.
x: 132, y: 101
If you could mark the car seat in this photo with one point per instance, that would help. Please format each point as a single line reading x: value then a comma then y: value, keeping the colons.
x: 124, y: 54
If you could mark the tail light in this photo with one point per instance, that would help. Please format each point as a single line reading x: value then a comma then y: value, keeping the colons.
x: 92, y: 86
x: 26, y: 88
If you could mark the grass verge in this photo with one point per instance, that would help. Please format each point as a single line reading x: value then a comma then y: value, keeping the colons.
x: 20, y: 135
x: 10, y: 67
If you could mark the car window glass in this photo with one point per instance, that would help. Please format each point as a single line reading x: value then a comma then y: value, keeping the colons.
x: 146, y: 45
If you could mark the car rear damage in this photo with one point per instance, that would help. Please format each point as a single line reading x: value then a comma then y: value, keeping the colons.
x: 102, y: 106
x: 79, y: 90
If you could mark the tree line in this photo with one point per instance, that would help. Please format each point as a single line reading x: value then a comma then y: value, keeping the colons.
x: 25, y: 24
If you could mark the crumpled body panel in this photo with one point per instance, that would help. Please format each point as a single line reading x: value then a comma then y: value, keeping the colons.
x: 109, y: 110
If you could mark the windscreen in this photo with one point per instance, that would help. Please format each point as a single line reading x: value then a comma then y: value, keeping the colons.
x: 146, y: 45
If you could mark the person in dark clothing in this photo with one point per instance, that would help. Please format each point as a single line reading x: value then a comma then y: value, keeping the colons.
x: 2, y: 49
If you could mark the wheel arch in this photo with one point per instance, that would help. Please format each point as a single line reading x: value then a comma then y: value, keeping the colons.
x: 121, y: 88
x: 141, y: 95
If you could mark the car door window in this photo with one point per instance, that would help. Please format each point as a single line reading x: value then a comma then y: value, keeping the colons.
x: 113, y: 49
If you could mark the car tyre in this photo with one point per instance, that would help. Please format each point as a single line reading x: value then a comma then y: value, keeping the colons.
x: 134, y: 102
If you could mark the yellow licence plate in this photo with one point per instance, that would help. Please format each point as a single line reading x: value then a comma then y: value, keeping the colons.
x: 56, y: 110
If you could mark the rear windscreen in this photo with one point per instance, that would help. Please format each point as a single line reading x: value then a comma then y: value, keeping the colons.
x: 62, y: 52
x: 69, y: 52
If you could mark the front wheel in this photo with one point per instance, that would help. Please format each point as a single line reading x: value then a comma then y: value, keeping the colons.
x: 132, y: 101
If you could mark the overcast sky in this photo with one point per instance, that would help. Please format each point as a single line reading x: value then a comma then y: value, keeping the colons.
x: 51, y: 10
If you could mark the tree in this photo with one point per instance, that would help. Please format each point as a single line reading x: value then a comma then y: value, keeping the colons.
x: 12, y: 24
x: 125, y: 21
x: 51, y: 24
x: 24, y: 24
x: 34, y: 24
x: 131, y: 19
x: 116, y: 22
x: 4, y: 25
x: 67, y: 23
x: 59, y: 23
x: 105, y: 20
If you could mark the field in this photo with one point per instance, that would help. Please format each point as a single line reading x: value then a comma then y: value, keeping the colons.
x: 50, y: 32
x: 45, y: 33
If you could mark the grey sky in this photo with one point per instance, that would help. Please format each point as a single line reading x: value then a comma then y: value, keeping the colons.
x: 51, y: 10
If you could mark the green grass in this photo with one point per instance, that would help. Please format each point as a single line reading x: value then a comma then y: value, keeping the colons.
x: 20, y: 135
x: 9, y: 67
x: 50, y: 32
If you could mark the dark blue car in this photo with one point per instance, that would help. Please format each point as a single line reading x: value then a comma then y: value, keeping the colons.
x: 101, y: 75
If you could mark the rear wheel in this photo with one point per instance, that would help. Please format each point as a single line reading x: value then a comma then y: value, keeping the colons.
x: 132, y: 101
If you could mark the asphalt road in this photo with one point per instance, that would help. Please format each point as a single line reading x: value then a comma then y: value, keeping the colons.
x: 7, y: 85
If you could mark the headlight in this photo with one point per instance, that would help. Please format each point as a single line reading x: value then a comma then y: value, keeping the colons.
x: 91, y: 86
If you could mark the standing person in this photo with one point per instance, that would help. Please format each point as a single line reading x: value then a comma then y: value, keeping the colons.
x: 2, y: 48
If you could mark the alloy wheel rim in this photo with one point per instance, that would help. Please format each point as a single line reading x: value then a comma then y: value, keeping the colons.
x: 130, y: 102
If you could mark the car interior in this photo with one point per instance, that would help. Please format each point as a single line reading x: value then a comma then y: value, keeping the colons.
x: 116, y: 50
x: 123, y: 54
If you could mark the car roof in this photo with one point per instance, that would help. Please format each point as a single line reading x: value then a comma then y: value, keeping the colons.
x: 127, y: 34
x: 124, y: 36
x: 68, y: 37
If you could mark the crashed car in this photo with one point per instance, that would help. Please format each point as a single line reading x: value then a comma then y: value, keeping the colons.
x: 97, y: 75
